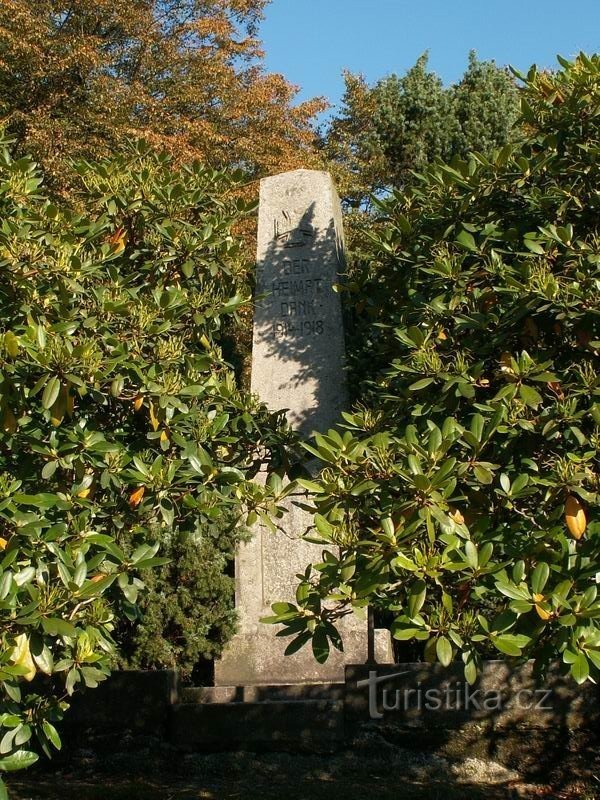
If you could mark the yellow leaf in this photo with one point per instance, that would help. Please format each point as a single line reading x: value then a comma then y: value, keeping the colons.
x: 575, y: 517
x: 153, y: 418
x: 541, y: 612
x: 3, y: 543
x: 138, y: 402
x: 21, y: 656
x: 118, y: 239
x: 164, y: 436
x: 136, y: 497
x: 457, y: 516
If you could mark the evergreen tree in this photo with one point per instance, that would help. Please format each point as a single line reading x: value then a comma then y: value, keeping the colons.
x: 402, y: 124
x: 485, y: 106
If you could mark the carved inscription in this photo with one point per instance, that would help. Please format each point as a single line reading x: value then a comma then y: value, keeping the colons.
x: 296, y: 293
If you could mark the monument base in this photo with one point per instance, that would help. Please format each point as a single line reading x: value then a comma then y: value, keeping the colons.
x: 254, y: 659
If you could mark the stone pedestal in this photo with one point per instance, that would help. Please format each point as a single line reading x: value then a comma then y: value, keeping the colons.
x: 298, y: 365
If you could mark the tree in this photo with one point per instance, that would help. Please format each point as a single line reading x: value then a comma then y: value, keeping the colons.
x: 122, y: 429
x: 402, y: 124
x: 485, y: 104
x: 461, y: 496
x: 78, y: 77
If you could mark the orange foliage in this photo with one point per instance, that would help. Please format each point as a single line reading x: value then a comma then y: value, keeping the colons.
x: 78, y: 77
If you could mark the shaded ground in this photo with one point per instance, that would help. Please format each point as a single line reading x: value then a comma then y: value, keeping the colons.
x: 350, y: 775
x: 165, y: 790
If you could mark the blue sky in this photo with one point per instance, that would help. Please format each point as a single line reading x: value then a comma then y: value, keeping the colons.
x: 312, y: 41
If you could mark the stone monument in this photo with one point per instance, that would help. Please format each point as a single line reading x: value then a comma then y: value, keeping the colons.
x: 298, y: 365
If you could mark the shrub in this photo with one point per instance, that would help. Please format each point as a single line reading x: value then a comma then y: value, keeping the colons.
x: 121, y: 428
x: 187, y: 612
x: 462, y: 496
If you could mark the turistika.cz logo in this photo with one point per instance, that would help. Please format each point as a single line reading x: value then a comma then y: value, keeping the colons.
x: 451, y: 696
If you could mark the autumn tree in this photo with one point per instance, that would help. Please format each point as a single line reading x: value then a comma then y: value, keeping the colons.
x: 401, y: 124
x: 78, y: 76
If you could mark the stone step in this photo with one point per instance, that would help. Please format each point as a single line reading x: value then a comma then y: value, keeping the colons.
x: 261, y: 693
x: 274, y: 724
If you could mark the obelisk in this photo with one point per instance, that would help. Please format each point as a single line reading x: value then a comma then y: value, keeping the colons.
x: 298, y: 365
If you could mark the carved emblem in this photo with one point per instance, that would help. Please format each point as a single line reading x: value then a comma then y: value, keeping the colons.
x: 289, y: 234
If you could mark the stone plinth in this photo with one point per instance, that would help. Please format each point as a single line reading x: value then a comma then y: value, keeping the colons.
x: 298, y: 365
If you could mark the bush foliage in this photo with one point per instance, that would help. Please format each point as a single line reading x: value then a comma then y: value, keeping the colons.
x: 187, y: 612
x: 121, y: 427
x: 461, y: 496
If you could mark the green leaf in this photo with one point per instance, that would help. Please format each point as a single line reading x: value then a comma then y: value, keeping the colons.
x: 283, y: 608
x: 510, y: 644
x: 44, y: 660
x: 404, y: 634
x: 534, y: 246
x: 435, y: 440
x: 470, y: 671
x: 52, y: 734
x: 403, y: 562
x: 49, y: 470
x: 310, y: 486
x: 472, y: 556
x: 324, y: 527
x: 540, y: 577
x: 580, y: 668
x: 416, y: 598
x: 54, y: 626
x: 298, y: 643
x: 167, y: 512
x: 530, y: 396
x: 421, y: 384
x: 11, y: 344
x: 51, y: 392
x: 466, y: 239
x: 483, y: 474
x: 519, y: 483
x: 320, y: 646
x: 510, y: 648
x: 443, y: 649
x: 512, y: 591
x: 21, y: 759
x: 477, y: 426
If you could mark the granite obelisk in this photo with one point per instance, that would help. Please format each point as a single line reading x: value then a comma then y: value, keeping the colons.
x: 298, y: 365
